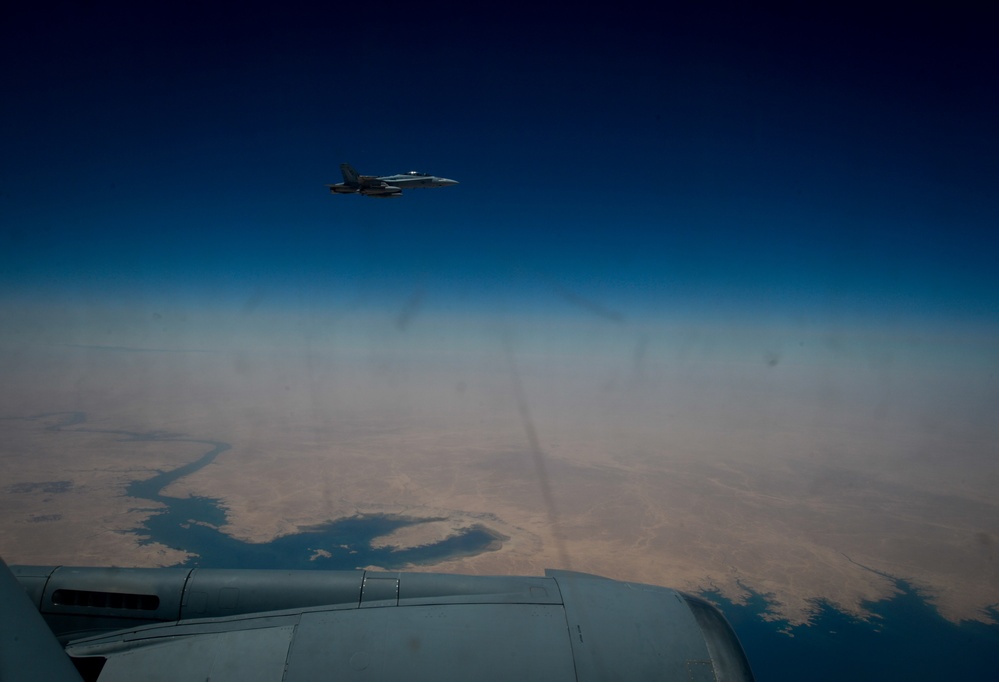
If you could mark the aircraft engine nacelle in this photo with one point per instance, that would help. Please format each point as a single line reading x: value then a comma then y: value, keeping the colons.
x: 236, y: 625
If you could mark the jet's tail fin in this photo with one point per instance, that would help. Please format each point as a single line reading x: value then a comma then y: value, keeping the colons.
x: 350, y: 175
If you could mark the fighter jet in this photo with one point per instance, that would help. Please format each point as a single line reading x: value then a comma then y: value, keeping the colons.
x: 384, y: 186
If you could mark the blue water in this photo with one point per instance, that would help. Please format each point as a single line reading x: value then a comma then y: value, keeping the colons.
x: 347, y: 541
x: 906, y: 639
x: 192, y: 524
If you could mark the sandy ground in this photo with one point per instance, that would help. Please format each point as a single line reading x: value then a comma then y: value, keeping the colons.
x: 711, y: 490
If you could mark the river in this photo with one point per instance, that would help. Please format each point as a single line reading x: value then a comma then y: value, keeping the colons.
x: 192, y: 524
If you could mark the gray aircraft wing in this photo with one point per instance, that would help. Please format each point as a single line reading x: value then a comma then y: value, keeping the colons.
x: 240, y: 625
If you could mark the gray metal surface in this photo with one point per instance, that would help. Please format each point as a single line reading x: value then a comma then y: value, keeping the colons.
x: 234, y: 656
x: 727, y: 657
x: 630, y: 631
x: 75, y: 620
x: 346, y: 625
x: 379, y: 590
x: 454, y: 642
x: 436, y: 588
x: 218, y: 592
x: 28, y: 649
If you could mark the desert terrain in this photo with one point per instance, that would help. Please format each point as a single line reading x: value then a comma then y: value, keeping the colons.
x: 795, y: 479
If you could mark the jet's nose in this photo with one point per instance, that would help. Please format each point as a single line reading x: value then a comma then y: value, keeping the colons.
x: 445, y: 182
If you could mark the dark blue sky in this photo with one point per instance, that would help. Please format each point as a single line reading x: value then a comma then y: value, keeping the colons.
x: 646, y: 158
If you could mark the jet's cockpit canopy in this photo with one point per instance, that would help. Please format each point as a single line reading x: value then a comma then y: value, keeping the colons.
x: 416, y: 173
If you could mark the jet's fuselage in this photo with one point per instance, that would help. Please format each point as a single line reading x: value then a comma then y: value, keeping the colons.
x: 414, y: 179
x: 384, y: 186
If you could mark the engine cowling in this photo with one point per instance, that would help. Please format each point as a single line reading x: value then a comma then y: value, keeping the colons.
x: 232, y: 625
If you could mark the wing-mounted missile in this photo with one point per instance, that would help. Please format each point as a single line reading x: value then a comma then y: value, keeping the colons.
x: 305, y: 625
x: 341, y: 188
x: 382, y: 192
